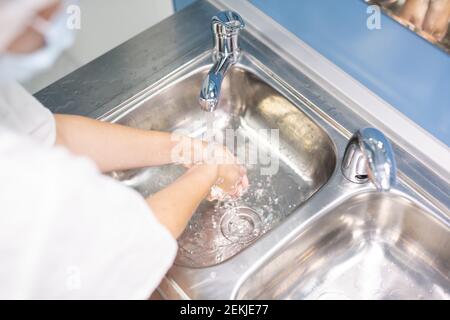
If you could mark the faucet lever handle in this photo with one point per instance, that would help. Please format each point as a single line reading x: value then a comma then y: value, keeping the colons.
x: 369, y: 156
x: 225, y: 28
x: 227, y: 22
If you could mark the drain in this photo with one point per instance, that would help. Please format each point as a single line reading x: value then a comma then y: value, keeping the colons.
x: 241, y: 225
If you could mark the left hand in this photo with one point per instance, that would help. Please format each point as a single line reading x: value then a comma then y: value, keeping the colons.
x: 232, y: 177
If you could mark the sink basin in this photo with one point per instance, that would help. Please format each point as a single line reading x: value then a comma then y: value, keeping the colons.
x: 372, y: 246
x: 306, y: 231
x: 305, y: 159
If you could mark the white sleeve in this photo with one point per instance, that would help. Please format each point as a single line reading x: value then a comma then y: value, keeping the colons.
x: 68, y: 232
x: 21, y: 113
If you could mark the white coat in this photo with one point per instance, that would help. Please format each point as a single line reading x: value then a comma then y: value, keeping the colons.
x: 67, y: 231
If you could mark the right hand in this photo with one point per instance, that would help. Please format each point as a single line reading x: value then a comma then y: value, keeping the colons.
x: 232, y: 180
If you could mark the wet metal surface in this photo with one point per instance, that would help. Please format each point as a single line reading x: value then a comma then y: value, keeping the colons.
x: 305, y: 160
x: 372, y: 246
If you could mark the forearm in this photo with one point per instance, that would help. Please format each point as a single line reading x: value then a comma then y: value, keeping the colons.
x: 174, y: 205
x: 113, y: 146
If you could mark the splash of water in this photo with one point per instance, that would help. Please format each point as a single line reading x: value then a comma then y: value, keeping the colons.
x: 221, y: 229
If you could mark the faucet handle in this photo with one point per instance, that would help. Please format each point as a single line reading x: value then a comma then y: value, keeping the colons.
x: 227, y: 22
x: 225, y: 27
x: 369, y: 155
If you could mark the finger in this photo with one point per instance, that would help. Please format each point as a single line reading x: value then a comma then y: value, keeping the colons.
x: 245, y: 182
x: 239, y: 191
x: 437, y: 18
x: 414, y: 11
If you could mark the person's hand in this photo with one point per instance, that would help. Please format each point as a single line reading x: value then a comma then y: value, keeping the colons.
x: 232, y: 182
x: 232, y: 179
x: 429, y: 16
x: 190, y: 189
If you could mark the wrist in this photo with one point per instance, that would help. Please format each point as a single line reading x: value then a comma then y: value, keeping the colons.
x: 187, y: 151
x: 209, y: 171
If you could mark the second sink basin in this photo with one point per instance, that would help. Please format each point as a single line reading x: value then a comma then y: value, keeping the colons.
x: 305, y: 157
x: 372, y: 246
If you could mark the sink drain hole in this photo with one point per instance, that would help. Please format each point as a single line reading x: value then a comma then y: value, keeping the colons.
x: 241, y: 225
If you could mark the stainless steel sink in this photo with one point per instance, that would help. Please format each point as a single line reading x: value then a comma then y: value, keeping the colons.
x: 372, y: 246
x: 305, y: 157
x: 313, y: 233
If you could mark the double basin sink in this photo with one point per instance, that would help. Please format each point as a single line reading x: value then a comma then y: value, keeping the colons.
x: 303, y: 233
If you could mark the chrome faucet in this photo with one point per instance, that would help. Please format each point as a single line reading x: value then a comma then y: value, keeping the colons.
x: 225, y: 26
x: 369, y: 155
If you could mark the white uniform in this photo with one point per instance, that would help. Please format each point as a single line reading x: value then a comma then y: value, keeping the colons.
x: 67, y: 231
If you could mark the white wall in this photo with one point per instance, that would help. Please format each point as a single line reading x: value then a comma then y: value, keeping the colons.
x: 104, y: 25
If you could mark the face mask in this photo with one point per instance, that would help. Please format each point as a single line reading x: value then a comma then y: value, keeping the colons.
x: 57, y: 38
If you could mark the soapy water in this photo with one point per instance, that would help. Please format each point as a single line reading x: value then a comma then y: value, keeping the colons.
x: 221, y: 229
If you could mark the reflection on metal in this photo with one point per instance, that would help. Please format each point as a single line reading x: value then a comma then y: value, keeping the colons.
x: 369, y: 156
x: 428, y: 18
x: 372, y: 246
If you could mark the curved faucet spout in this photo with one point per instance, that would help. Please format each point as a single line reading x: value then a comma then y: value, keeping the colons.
x: 211, y: 87
x: 369, y: 156
x: 225, y: 27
